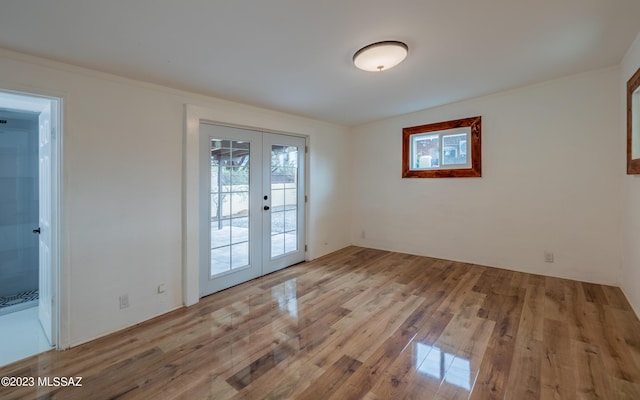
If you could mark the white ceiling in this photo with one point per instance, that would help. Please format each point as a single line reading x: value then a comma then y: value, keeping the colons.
x: 295, y: 55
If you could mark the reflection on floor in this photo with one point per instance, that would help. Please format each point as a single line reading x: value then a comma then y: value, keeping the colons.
x: 21, y: 336
x: 432, y: 361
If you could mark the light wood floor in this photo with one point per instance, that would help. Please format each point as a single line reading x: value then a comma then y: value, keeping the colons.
x: 367, y: 324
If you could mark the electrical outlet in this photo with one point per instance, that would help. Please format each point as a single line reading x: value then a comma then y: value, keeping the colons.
x: 124, y: 301
x: 161, y: 288
x: 363, y: 235
x: 548, y: 257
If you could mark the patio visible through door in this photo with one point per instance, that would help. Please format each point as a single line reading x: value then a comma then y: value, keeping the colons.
x: 252, y: 197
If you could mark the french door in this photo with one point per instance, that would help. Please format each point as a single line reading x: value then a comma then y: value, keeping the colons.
x: 252, y: 197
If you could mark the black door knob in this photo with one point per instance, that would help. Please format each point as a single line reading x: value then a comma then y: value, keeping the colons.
x: 266, y: 208
x: 37, y: 230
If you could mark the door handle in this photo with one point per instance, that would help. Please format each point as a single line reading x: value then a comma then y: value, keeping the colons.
x: 266, y: 208
x: 37, y: 230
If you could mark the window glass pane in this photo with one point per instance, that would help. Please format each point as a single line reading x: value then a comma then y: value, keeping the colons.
x: 239, y: 178
x: 239, y: 230
x: 277, y: 221
x: 224, y: 205
x: 239, y: 203
x: 290, y: 228
x: 454, y: 149
x: 229, y: 200
x: 220, y: 161
x: 284, y: 156
x: 290, y: 241
x: 220, y: 260
x: 277, y: 199
x: 284, y: 191
x: 290, y: 220
x: 425, y: 150
x: 240, y: 255
x: 277, y: 245
x: 220, y: 233
x: 240, y: 146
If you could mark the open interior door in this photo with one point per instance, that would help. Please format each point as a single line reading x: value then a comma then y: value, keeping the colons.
x: 45, y: 305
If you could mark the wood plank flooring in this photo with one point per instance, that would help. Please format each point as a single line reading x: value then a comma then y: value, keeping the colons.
x: 366, y: 324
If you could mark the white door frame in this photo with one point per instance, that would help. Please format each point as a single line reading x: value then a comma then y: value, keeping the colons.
x: 229, y: 115
x: 20, y: 100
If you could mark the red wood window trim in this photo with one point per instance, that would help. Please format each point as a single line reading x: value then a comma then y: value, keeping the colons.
x: 475, y: 171
x: 633, y: 165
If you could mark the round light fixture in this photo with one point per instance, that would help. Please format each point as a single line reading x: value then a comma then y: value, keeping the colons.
x: 380, y: 56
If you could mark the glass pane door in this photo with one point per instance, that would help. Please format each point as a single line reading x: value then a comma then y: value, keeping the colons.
x: 284, y: 184
x: 231, y: 207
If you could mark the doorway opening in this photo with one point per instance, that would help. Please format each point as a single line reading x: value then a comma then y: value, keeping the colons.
x: 29, y: 224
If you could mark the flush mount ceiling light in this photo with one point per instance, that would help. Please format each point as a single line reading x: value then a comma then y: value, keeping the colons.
x: 380, y: 56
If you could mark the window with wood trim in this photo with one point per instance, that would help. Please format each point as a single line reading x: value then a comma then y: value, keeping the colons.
x: 633, y: 124
x: 450, y: 149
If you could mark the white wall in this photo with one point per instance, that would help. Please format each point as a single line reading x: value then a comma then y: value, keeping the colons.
x: 122, y: 188
x: 631, y: 197
x: 550, y: 182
